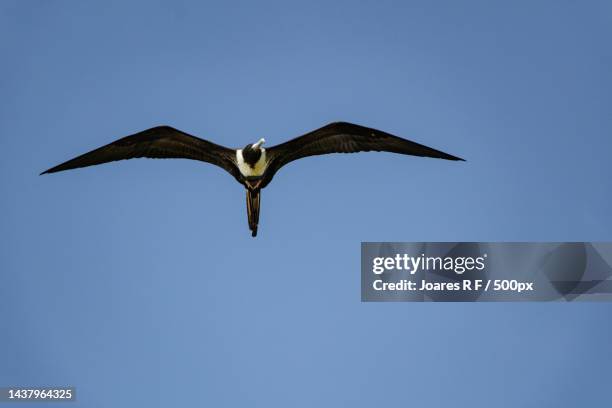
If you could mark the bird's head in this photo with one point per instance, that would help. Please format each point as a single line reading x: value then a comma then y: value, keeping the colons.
x: 255, y: 146
x: 252, y: 152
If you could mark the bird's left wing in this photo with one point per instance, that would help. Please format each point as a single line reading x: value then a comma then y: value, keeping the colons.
x: 161, y: 142
x: 343, y: 137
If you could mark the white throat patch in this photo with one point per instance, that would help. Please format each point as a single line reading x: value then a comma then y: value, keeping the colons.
x: 248, y: 171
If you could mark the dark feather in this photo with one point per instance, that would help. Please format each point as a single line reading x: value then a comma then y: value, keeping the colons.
x: 162, y: 142
x: 343, y: 137
x: 253, y: 202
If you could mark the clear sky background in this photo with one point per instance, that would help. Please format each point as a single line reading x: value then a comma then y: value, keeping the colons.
x: 138, y: 282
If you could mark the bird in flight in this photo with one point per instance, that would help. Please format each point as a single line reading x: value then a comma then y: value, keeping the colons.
x: 252, y: 166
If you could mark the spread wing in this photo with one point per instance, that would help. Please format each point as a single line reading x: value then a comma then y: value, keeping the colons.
x: 343, y: 137
x: 162, y: 142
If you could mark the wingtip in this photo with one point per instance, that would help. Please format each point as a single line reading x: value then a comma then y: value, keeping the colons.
x: 48, y: 171
x: 451, y: 157
x: 54, y: 170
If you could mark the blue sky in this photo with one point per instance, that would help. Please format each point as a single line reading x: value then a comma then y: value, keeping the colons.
x: 138, y: 282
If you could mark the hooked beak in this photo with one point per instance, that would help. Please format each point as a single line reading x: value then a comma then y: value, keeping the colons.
x: 259, y: 143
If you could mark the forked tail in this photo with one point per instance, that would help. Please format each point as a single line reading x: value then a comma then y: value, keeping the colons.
x: 253, y: 198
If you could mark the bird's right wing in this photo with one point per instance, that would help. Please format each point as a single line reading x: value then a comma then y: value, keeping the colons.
x: 161, y: 142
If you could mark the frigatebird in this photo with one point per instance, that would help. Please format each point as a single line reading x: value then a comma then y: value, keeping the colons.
x: 253, y: 166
